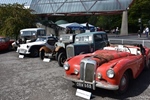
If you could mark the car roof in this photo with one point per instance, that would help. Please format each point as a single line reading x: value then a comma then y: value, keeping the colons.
x: 46, y: 36
x: 91, y: 33
x: 32, y: 29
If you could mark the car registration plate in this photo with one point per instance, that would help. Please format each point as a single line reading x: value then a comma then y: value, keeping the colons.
x: 21, y: 51
x: 84, y: 85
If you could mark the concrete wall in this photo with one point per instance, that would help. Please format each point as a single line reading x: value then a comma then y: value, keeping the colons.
x: 49, y: 30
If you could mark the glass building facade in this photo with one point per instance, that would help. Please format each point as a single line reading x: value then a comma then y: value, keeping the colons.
x: 79, y: 7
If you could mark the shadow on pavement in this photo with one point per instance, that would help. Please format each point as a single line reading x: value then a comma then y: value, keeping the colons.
x: 6, y: 51
x: 136, y: 87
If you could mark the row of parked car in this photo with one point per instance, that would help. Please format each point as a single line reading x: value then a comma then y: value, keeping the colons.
x: 68, y: 45
x: 90, y: 61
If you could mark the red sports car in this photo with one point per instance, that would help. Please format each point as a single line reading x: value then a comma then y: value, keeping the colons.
x: 110, y: 68
x: 5, y: 43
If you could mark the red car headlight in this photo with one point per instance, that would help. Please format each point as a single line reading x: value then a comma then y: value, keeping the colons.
x: 110, y: 73
x: 66, y: 66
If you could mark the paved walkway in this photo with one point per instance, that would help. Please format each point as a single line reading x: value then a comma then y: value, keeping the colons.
x: 130, y: 36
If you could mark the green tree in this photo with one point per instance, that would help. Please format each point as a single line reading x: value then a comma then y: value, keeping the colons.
x: 108, y: 22
x: 139, y: 9
x: 15, y: 17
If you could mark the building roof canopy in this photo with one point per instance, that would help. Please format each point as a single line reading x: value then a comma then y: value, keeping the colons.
x: 78, y: 7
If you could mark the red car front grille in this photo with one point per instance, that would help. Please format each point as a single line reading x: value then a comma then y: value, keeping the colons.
x: 87, y: 72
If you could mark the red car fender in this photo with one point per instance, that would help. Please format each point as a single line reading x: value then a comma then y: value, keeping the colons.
x: 134, y: 65
x: 119, y: 68
x: 147, y: 54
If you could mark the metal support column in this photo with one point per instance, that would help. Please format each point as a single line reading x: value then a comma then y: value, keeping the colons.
x: 124, y: 25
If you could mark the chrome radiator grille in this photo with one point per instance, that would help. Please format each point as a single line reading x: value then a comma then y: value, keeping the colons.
x: 82, y: 70
x: 87, y: 71
x: 70, y: 51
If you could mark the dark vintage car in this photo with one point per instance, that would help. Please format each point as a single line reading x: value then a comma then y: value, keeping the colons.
x: 111, y: 68
x: 5, y: 43
x: 33, y: 48
x: 85, y: 43
x: 60, y: 47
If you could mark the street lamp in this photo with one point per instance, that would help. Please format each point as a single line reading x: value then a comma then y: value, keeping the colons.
x: 140, y: 22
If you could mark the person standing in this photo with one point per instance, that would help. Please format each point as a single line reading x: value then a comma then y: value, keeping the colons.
x: 147, y: 31
x: 87, y: 26
x: 117, y: 31
x: 139, y: 33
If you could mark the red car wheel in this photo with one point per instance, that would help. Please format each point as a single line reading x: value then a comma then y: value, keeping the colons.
x: 124, y: 83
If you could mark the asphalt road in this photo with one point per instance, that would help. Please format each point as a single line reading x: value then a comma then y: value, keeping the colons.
x: 33, y: 79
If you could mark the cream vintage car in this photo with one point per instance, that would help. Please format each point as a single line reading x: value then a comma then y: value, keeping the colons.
x: 33, y: 48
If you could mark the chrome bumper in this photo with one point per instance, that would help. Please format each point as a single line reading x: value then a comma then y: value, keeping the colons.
x: 23, y: 51
x: 48, y: 54
x: 103, y: 85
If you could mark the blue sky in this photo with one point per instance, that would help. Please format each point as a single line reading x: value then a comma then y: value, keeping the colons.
x: 16, y: 1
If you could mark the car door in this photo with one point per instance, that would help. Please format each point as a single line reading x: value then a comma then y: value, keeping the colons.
x: 105, y: 39
x: 99, y: 42
x: 6, y: 43
x: 3, y: 45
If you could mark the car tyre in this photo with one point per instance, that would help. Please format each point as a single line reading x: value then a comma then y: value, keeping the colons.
x: 34, y: 52
x: 61, y: 59
x: 56, y: 56
x: 124, y: 83
x: 42, y: 54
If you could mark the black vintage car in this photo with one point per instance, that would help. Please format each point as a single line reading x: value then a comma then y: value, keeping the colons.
x: 85, y: 43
